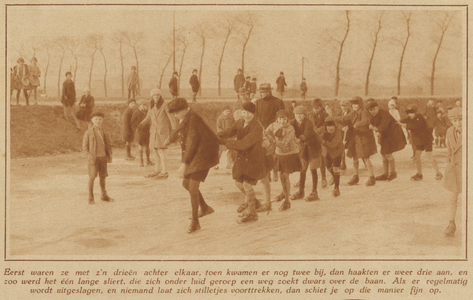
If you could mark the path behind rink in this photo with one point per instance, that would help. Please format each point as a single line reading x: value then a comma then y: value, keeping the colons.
x: 48, y: 215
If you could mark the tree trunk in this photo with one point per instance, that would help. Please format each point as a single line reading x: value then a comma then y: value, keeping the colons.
x: 404, y: 46
x: 337, y: 77
x: 105, y: 74
x: 59, y: 77
x: 367, y: 83
x: 91, y: 68
x: 180, y: 70
x: 123, y: 70
x: 75, y: 68
x: 46, y: 72
x: 201, y: 64
x: 220, y: 64
x: 244, y: 49
x: 138, y: 88
x: 162, y: 73
x: 432, y: 77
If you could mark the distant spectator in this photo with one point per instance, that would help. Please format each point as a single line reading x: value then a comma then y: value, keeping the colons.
x: 238, y: 83
x: 247, y: 86
x: 68, y: 98
x: 303, y: 89
x: 128, y: 132
x: 20, y: 76
x: 253, y: 88
x: 440, y: 129
x: 35, y: 73
x: 132, y: 83
x: 174, y: 85
x: 195, y: 84
x: 86, y: 105
x: 281, y: 85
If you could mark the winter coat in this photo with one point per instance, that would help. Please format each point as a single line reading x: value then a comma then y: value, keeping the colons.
x: 392, y: 137
x: 317, y: 118
x: 238, y: 82
x: 332, y: 142
x: 430, y: 116
x: 68, y: 93
x: 132, y: 81
x: 253, y: 87
x: 86, y: 105
x: 420, y: 133
x: 162, y: 123
x: 199, y: 144
x: 453, y: 171
x: 195, y: 84
x: 309, y: 140
x: 173, y: 86
x: 440, y: 127
x: 35, y: 73
x: 304, y: 87
x: 89, y: 145
x: 18, y: 74
x: 266, y: 109
x: 250, y: 162
x: 281, y: 83
x: 127, y: 131
x: 286, y: 141
x: 141, y: 134
x: 360, y: 139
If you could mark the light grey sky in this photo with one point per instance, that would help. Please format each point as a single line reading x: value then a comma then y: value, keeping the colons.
x: 278, y: 43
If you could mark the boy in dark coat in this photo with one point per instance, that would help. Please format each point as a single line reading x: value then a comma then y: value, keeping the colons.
x: 421, y: 140
x: 317, y: 117
x: 238, y: 83
x: 360, y: 139
x: 97, y: 144
x: 453, y: 171
x: 225, y: 121
x: 310, y: 153
x: 249, y: 166
x: 132, y: 83
x: 195, y: 84
x: 128, y: 133
x: 199, y: 153
x: 440, y: 129
x: 142, y: 133
x: 173, y: 85
x: 68, y: 98
x: 391, y: 138
x: 303, y: 89
x: 253, y: 88
x: 281, y: 85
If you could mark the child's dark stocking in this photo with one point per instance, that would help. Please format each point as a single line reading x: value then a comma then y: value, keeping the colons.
x: 91, y: 189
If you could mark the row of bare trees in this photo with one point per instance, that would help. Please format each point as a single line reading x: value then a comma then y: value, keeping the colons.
x: 240, y: 27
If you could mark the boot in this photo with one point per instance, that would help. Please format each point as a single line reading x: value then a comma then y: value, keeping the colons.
x: 336, y: 192
x: 285, y: 206
x: 104, y: 196
x: 354, y: 180
x: 141, y: 159
x: 298, y: 195
x: 250, y: 214
x: 312, y: 197
x: 128, y: 153
x: 385, y: 175
x: 148, y: 160
x: 194, y: 226
x: 371, y: 181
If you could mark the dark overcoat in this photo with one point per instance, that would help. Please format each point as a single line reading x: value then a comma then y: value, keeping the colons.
x: 420, y: 133
x: 199, y: 144
x: 310, y: 144
x: 317, y: 118
x: 266, y: 109
x: 173, y: 86
x: 249, y: 165
x: 18, y: 74
x: 238, y: 82
x: 68, y: 93
x: 86, y: 105
x: 142, y: 134
x: 281, y: 83
x: 127, y: 131
x: 392, y: 137
x: 194, y: 82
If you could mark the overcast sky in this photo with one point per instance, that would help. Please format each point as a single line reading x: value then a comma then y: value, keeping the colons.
x: 279, y: 41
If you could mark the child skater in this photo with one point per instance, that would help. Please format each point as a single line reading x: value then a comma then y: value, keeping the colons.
x: 249, y: 165
x: 421, y: 139
x: 142, y: 134
x: 332, y: 141
x: 199, y: 153
x: 287, y: 152
x: 97, y: 144
x: 224, y: 121
x: 440, y: 129
x: 453, y: 171
x: 127, y: 131
x: 310, y: 153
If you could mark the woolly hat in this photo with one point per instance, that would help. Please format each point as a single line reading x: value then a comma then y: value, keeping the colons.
x: 249, y: 107
x: 357, y: 100
x: 317, y: 102
x: 155, y: 92
x: 455, y: 112
x: 371, y: 103
x: 282, y: 114
x: 177, y: 105
x: 97, y: 114
x: 300, y: 110
x: 344, y: 103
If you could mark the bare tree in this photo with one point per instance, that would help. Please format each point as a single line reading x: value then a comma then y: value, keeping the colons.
x: 48, y: 46
x: 337, y: 39
x: 227, y: 26
x: 134, y: 40
x: 407, y: 19
x: 119, y: 38
x: 184, y: 41
x: 73, y: 45
x: 92, y: 42
x: 164, y: 69
x: 375, y: 36
x: 249, y: 20
x: 203, y: 31
x: 100, y: 46
x: 61, y: 45
x: 443, y: 24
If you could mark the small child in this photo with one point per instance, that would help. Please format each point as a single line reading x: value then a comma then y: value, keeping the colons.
x: 68, y: 98
x: 440, y: 129
x: 128, y: 133
x: 317, y: 117
x: 421, y: 140
x: 225, y: 121
x: 253, y: 88
x: 287, y: 152
x: 453, y: 171
x: 97, y: 145
x: 142, y: 134
x: 332, y: 141
x: 303, y: 89
x: 132, y: 83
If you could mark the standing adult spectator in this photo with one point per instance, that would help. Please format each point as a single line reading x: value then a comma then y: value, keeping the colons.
x: 132, y: 83
x: 266, y: 109
x: 253, y: 88
x: 303, y: 89
x: 35, y: 73
x: 247, y: 86
x: 68, y: 98
x: 238, y: 83
x: 127, y: 130
x: 281, y: 85
x: 173, y: 85
x: 195, y: 84
x: 21, y: 74
x: 86, y: 104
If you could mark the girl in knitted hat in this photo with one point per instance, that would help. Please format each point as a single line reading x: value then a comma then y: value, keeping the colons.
x: 287, y: 152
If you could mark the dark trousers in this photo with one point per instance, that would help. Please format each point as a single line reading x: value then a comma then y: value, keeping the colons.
x: 192, y: 186
x: 129, y: 94
x: 27, y: 97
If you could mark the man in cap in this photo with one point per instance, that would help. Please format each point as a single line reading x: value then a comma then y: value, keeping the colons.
x: 195, y: 84
x: 281, y: 85
x: 453, y: 171
x: 199, y: 153
x: 173, y: 85
x: 238, y: 83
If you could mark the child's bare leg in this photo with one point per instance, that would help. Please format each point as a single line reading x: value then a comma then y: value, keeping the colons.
x: 286, y: 187
x: 431, y: 157
x: 371, y: 181
x: 266, y: 206
x: 418, y: 160
x: 91, y: 189
x: 141, y: 155
x: 162, y: 157
x: 452, y: 211
x: 157, y: 166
